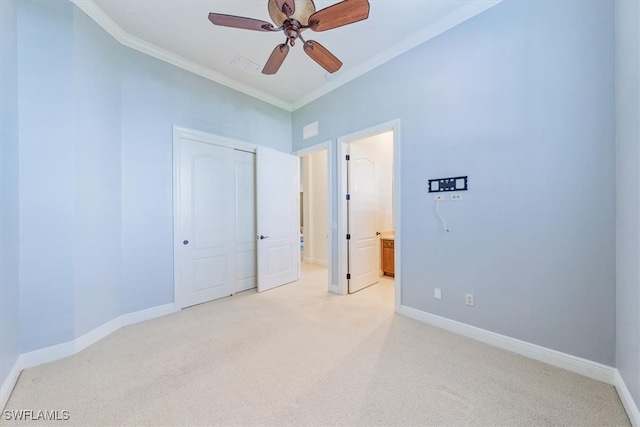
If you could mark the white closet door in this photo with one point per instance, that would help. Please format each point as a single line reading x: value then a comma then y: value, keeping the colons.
x: 207, y: 223
x: 245, y: 211
x: 278, y: 215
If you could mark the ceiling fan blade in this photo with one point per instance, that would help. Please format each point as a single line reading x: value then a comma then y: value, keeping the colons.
x: 275, y: 60
x: 343, y: 13
x: 322, y: 56
x: 239, y: 22
x: 288, y: 7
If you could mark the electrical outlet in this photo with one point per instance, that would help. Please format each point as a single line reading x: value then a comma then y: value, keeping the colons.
x: 439, y: 197
x: 469, y: 299
x: 456, y: 197
x: 437, y: 293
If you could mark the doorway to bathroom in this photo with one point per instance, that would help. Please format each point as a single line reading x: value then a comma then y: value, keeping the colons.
x: 368, y: 217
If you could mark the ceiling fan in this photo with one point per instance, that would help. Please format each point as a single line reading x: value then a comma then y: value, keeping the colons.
x: 293, y: 17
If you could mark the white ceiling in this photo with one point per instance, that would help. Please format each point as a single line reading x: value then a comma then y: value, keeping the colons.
x: 179, y: 31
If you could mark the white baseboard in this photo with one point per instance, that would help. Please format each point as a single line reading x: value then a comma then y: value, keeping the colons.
x: 69, y: 348
x: 627, y: 400
x: 147, y: 314
x: 9, y: 383
x: 581, y: 366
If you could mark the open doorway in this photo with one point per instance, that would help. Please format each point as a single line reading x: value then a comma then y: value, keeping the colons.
x: 316, y: 205
x: 369, y: 212
x: 370, y: 245
x: 370, y: 232
x: 314, y: 221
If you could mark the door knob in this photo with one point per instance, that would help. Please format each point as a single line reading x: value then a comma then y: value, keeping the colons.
x: 261, y: 237
x: 185, y: 242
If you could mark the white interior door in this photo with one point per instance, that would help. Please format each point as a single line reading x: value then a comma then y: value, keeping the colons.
x: 207, y: 222
x: 278, y: 216
x: 363, y: 257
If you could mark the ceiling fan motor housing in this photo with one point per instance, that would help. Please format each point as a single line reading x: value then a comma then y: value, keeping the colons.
x: 292, y: 30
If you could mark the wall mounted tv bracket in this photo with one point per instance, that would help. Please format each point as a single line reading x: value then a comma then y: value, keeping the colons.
x: 440, y: 185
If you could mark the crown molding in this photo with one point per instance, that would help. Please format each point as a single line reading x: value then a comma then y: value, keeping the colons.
x: 166, y: 56
x: 128, y: 40
x: 447, y: 22
x: 427, y: 33
x: 94, y: 12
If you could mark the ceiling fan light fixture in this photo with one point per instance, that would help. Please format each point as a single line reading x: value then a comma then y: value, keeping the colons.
x: 303, y: 10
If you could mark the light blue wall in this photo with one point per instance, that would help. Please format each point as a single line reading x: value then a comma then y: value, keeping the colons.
x: 155, y: 96
x: 9, y: 220
x: 96, y: 118
x: 96, y: 169
x: 47, y: 173
x: 520, y: 98
x: 628, y: 200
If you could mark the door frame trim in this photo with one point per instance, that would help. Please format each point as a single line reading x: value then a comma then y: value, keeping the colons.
x: 327, y: 145
x: 207, y: 138
x: 393, y: 125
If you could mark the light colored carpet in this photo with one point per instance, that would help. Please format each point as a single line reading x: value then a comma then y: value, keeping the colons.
x: 299, y: 356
